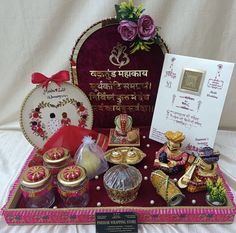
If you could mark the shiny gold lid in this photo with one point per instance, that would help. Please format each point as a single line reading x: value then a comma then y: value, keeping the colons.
x: 56, y: 155
x: 72, y: 176
x: 35, y: 176
x: 116, y: 155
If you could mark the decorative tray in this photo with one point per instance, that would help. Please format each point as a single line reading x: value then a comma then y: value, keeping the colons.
x: 125, y: 155
x: 116, y: 81
x: 200, y: 212
x: 118, y: 140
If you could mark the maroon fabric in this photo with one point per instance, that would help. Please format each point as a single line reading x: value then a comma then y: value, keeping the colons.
x: 94, y: 55
x: 146, y: 192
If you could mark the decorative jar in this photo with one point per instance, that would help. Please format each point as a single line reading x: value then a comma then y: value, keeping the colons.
x: 122, y: 183
x: 55, y: 160
x: 36, y: 187
x: 73, y: 186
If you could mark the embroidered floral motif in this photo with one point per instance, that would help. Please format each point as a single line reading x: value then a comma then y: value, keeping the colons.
x: 35, y: 116
x: 37, y: 126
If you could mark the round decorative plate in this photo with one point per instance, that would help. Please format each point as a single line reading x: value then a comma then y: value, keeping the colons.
x: 44, y: 111
x: 125, y: 155
x: 115, y: 80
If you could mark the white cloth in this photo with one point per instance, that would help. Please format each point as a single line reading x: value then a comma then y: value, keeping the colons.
x: 15, y: 150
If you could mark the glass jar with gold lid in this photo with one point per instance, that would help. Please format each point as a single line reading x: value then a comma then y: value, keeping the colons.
x: 56, y: 159
x: 36, y: 187
x: 73, y: 186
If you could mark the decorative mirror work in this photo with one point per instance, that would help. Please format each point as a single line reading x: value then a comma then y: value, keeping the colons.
x: 116, y: 80
x: 45, y: 110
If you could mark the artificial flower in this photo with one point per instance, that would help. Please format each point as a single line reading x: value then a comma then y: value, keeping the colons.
x: 140, y: 29
x: 128, y: 30
x: 146, y: 27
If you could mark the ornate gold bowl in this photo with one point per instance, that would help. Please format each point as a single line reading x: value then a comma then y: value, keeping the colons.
x: 122, y: 183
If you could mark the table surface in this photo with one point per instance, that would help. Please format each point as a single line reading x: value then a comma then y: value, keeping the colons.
x: 14, y: 151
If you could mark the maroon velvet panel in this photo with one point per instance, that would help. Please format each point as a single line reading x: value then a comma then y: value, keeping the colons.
x: 94, y: 55
x: 147, y: 191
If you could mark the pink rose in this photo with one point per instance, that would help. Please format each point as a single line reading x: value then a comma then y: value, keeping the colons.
x: 146, y: 27
x: 128, y: 30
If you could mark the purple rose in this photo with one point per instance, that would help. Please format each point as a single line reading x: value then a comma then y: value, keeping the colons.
x: 128, y: 30
x: 146, y: 27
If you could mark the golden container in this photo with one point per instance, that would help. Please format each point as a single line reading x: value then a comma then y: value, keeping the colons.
x: 122, y: 183
x: 166, y: 188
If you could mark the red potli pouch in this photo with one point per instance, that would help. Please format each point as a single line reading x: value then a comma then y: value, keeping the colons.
x: 70, y: 137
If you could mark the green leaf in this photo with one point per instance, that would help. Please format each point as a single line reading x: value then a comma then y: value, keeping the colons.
x: 157, y: 39
x: 127, y: 10
x: 135, y: 48
x: 125, y: 6
x: 118, y: 14
x: 139, y: 10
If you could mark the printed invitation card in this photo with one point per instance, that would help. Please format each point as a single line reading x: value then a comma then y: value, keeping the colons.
x: 190, y: 99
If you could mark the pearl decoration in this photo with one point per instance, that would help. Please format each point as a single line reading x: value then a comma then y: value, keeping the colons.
x: 145, y: 167
x: 145, y: 178
x: 98, y: 188
x: 194, y: 201
x: 99, y: 204
x: 55, y: 207
x: 144, y: 136
x: 175, y: 180
x: 152, y: 202
x: 96, y: 177
x: 148, y: 145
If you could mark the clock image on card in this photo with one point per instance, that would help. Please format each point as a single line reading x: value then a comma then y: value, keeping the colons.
x: 45, y: 110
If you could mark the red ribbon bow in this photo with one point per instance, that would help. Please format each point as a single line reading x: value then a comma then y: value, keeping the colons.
x: 58, y: 78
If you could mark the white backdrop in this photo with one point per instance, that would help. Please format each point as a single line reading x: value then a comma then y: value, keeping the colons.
x: 40, y: 35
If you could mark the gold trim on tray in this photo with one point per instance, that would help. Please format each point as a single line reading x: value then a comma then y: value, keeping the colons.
x: 90, y: 31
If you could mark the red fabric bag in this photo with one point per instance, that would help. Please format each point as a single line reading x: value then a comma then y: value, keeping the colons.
x: 70, y: 137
